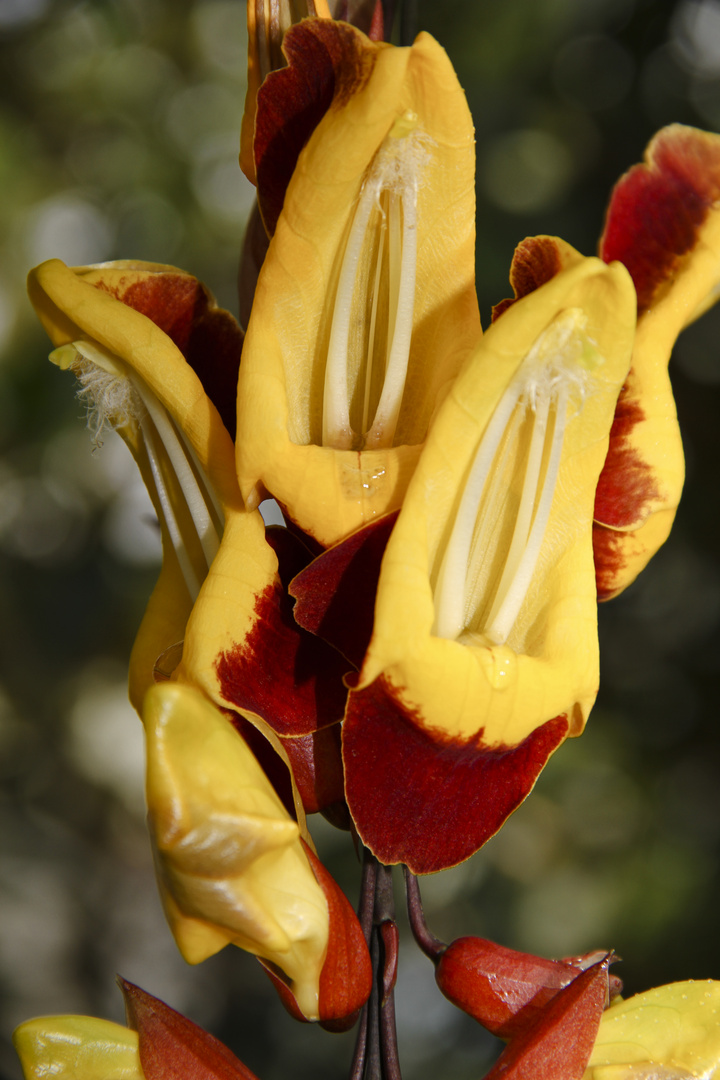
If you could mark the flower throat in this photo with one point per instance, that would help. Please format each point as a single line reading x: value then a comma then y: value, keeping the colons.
x: 371, y: 330
x: 499, y: 528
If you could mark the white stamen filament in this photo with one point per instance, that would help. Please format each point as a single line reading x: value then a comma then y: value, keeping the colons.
x: 103, y: 376
x: 556, y: 367
x: 523, y: 521
x: 390, y: 193
x: 511, y: 598
x: 336, y: 407
x: 191, y: 579
x: 450, y: 590
x: 373, y: 325
x: 207, y: 534
x: 207, y: 488
x: 382, y: 432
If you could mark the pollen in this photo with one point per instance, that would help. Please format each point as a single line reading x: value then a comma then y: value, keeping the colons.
x: 497, y: 536
x: 370, y: 335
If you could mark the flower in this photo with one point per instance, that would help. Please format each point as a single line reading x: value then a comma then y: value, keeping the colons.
x: 159, y: 1042
x: 673, y: 255
x: 133, y: 334
x: 365, y: 306
x: 77, y: 1048
x: 153, y: 354
x: 229, y: 857
x: 484, y: 653
x: 670, y: 1033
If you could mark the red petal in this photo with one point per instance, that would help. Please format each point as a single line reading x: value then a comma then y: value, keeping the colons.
x: 536, y: 260
x: 208, y: 337
x: 346, y: 977
x: 558, y: 1045
x: 336, y: 593
x: 270, y: 761
x: 502, y: 989
x: 328, y: 63
x: 423, y: 800
x: 658, y: 208
x: 287, y: 676
x: 316, y: 763
x: 627, y: 483
x: 173, y: 1047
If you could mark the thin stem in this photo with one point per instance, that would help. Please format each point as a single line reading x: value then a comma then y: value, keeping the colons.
x: 376, y: 1050
x: 358, y: 1061
x: 432, y: 946
x: 367, y: 893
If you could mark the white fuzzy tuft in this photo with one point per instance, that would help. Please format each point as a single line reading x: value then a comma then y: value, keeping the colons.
x: 111, y: 401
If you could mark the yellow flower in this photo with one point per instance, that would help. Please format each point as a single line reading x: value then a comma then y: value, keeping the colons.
x: 673, y: 255
x: 365, y: 307
x: 122, y: 328
x: 670, y: 1033
x: 229, y: 857
x: 484, y: 651
x: 77, y: 1048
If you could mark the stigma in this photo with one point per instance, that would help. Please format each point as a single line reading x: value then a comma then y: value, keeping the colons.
x: 369, y: 341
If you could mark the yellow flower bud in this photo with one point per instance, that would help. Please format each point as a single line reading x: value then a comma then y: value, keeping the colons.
x: 230, y: 863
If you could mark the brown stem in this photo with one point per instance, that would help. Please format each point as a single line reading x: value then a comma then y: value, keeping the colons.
x: 376, y: 1051
x: 430, y: 945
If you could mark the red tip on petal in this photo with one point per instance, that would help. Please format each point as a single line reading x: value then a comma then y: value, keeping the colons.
x: 558, y: 1045
x: 346, y: 977
x: 658, y: 208
x: 536, y: 260
x: 327, y: 63
x: 277, y: 978
x: 426, y: 801
x: 627, y: 483
x: 208, y: 337
x: 335, y: 594
x: 173, y: 1047
x: 610, y: 554
x: 502, y: 989
x: 376, y: 31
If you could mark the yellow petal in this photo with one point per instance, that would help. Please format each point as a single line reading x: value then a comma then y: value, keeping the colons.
x: 77, y: 1048
x: 672, y: 1033
x: 476, y: 640
x: 229, y: 859
x: 381, y: 204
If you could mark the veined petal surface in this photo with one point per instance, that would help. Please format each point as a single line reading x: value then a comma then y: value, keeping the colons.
x: 365, y: 308
x: 670, y: 1033
x: 484, y: 651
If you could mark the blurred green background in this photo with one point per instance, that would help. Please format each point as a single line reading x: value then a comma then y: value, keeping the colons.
x: 119, y: 124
